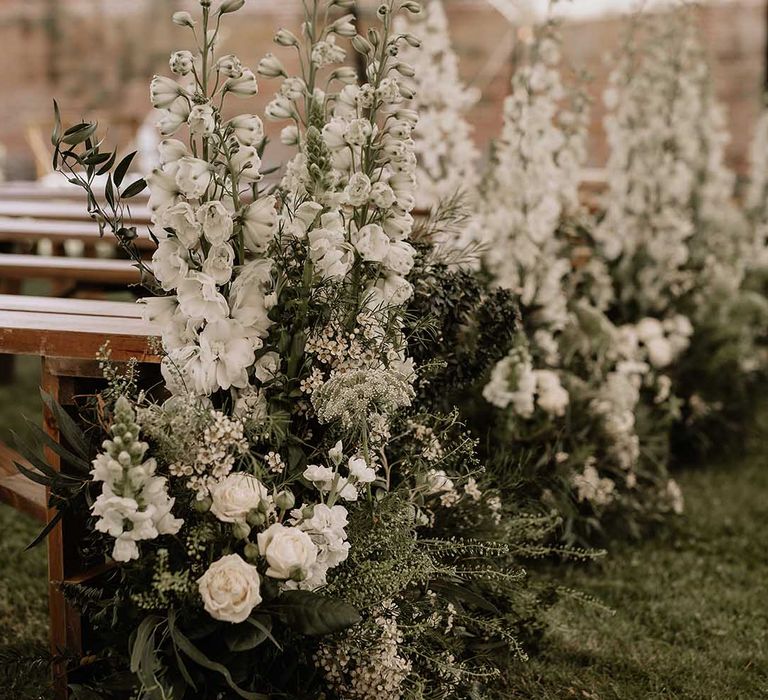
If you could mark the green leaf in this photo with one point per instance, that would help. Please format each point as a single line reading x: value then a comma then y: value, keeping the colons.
x: 56, y: 135
x: 264, y: 623
x: 122, y: 168
x: 201, y: 659
x: 144, y: 661
x: 33, y: 476
x: 245, y: 636
x: 106, y: 167
x: 79, y: 133
x: 45, y: 531
x: 456, y: 592
x: 67, y: 457
x: 314, y: 615
x: 134, y: 188
x: 69, y: 429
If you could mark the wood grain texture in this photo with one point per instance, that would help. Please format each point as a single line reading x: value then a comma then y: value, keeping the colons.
x: 21, y: 230
x: 120, y: 272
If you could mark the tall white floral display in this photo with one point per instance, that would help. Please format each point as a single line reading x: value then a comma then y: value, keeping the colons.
x: 447, y: 156
x: 670, y: 225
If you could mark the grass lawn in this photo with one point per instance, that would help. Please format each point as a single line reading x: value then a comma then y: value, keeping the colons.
x: 691, y: 604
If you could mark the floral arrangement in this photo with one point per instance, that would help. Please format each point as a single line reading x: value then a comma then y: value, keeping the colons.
x: 289, y: 513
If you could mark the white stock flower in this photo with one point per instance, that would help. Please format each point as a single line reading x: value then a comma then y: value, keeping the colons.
x: 289, y: 551
x: 235, y: 496
x: 230, y: 589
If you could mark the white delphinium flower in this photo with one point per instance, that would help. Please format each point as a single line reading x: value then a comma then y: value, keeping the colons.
x: 212, y: 237
x: 447, y: 156
x: 670, y: 222
x: 533, y: 184
x: 134, y: 504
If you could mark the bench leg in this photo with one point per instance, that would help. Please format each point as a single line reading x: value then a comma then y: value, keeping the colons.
x: 65, y: 629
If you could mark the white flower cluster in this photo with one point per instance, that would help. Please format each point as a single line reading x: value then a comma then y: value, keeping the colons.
x: 532, y: 184
x: 133, y: 504
x: 756, y: 198
x: 515, y: 383
x: 217, y: 316
x: 447, y: 157
x: 590, y: 486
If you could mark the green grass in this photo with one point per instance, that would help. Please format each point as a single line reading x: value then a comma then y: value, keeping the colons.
x: 691, y: 604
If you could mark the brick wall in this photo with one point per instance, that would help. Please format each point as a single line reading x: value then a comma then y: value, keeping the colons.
x: 96, y: 57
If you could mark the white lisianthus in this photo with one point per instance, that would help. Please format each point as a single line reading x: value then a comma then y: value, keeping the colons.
x: 200, y: 299
x: 267, y: 367
x: 164, y: 91
x: 218, y: 263
x: 226, y: 352
x: 181, y: 62
x: 235, y: 496
x: 202, y: 120
x: 230, y: 589
x: 248, y: 129
x: 289, y: 551
x: 193, y: 177
x: 216, y: 222
x: 247, y: 164
x: 371, y: 242
x: 259, y: 221
x: 180, y: 217
x: 244, y: 85
x: 170, y: 263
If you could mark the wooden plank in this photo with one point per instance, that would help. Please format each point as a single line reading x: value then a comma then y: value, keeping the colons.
x: 27, y: 229
x: 64, y: 211
x: 14, y: 266
x: 31, y: 190
x: 76, y: 337
x: 77, y: 307
x: 16, y: 490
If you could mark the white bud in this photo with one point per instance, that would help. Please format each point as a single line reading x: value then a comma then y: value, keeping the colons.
x: 183, y: 19
x: 230, y: 6
x: 270, y: 66
x: 344, y: 26
x: 286, y: 38
x: 244, y: 86
x: 181, y: 62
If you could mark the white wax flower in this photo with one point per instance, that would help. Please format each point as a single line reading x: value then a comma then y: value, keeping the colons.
x: 289, y: 551
x: 235, y: 495
x: 230, y: 589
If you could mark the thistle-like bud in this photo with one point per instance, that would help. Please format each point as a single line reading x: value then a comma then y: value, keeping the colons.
x: 344, y: 26
x: 285, y: 500
x: 183, y: 19
x: 230, y: 6
x: 405, y: 69
x: 345, y: 74
x: 362, y: 45
x: 270, y: 67
x: 286, y: 38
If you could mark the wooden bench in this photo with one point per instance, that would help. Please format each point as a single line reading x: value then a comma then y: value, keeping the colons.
x: 31, y: 190
x: 92, y: 270
x: 64, y: 211
x: 23, y: 230
x: 66, y: 334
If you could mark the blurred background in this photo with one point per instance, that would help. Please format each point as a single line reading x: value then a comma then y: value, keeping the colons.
x: 96, y: 58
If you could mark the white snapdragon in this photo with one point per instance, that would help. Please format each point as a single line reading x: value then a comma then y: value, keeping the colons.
x: 134, y: 504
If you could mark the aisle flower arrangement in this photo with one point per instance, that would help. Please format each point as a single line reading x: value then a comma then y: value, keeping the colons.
x: 287, y: 514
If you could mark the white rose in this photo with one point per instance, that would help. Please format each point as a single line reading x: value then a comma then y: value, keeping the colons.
x: 235, y: 495
x: 371, y: 242
x: 290, y: 552
x: 216, y: 222
x: 230, y: 589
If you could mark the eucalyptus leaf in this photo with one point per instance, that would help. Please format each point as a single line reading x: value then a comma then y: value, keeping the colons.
x: 69, y: 429
x: 122, y: 168
x: 78, y: 133
x: 134, y: 188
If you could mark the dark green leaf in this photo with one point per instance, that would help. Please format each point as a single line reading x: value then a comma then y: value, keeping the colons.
x: 122, y: 168
x: 37, y: 477
x: 314, y: 615
x: 134, y: 188
x: 46, y: 530
x: 202, y: 660
x: 108, y: 165
x: 69, y: 429
x: 244, y: 637
x: 264, y: 623
x: 56, y: 135
x: 109, y: 192
x: 68, y: 457
x: 79, y: 133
